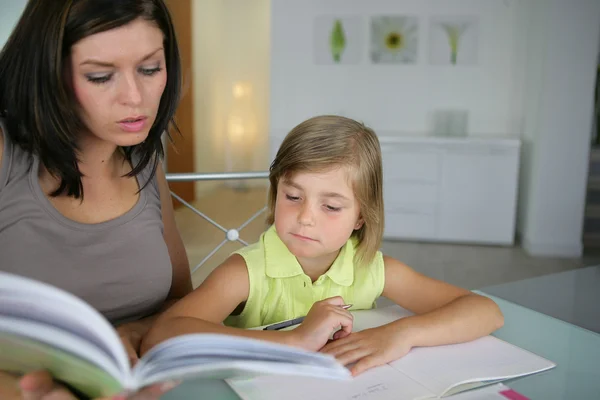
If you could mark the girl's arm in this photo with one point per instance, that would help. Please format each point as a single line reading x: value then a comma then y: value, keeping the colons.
x: 221, y: 293
x: 444, y: 314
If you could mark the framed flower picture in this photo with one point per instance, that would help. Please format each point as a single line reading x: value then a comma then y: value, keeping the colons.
x: 338, y: 40
x: 453, y: 40
x: 394, y: 39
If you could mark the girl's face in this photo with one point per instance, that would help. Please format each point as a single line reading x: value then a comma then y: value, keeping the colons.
x: 118, y: 78
x: 316, y: 213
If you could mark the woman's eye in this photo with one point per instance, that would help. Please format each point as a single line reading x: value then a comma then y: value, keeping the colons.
x: 331, y: 208
x: 292, y: 198
x: 98, y: 79
x: 150, y: 71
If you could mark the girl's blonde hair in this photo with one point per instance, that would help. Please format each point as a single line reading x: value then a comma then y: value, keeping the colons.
x: 327, y: 141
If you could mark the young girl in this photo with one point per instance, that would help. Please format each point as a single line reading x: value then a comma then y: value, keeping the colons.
x: 321, y: 252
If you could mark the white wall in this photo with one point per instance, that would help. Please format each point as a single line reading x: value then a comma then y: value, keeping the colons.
x: 392, y: 98
x: 535, y: 80
x: 560, y: 91
x: 10, y: 12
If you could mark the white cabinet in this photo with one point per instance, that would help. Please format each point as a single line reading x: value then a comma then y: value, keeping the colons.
x: 448, y: 189
x: 451, y: 190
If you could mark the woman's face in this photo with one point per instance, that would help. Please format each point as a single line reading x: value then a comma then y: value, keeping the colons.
x: 118, y: 78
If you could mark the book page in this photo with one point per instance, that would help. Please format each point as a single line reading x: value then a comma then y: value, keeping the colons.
x: 51, y: 337
x: 36, y: 301
x: 222, y: 356
x: 381, y: 383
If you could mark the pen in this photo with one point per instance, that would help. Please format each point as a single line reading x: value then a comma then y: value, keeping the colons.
x: 295, y: 321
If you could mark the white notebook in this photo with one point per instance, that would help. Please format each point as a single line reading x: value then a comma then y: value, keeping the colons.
x: 424, y: 373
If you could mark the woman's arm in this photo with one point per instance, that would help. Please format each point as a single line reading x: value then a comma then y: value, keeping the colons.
x: 182, y: 281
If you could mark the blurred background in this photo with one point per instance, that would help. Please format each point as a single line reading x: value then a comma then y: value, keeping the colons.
x: 487, y: 112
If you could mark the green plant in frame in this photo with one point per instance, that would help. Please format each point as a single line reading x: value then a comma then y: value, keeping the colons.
x: 337, y: 40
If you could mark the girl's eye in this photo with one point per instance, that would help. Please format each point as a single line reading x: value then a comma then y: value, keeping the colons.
x: 150, y: 71
x: 331, y: 208
x: 292, y: 198
x: 99, y: 79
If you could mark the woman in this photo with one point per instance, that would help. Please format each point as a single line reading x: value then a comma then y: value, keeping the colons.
x: 87, y: 88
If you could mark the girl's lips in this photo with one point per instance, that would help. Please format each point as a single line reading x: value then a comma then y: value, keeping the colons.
x: 303, y: 237
x: 133, y: 125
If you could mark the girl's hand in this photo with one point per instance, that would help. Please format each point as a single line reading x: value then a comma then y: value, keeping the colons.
x: 324, y: 318
x: 370, y: 348
x: 40, y: 386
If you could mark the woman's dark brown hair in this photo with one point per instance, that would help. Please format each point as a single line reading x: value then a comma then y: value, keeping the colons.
x: 36, y: 98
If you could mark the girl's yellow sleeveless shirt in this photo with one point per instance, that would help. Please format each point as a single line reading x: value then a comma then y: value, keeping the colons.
x: 280, y: 290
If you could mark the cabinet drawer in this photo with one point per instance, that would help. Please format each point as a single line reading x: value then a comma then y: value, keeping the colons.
x: 409, y: 225
x: 405, y: 192
x: 403, y: 166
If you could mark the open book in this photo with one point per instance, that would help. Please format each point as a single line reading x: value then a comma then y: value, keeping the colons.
x: 424, y: 373
x: 43, y: 327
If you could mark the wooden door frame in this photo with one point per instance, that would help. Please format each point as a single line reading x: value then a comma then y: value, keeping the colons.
x: 180, y: 154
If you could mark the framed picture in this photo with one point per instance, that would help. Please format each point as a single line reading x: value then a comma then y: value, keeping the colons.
x: 453, y: 40
x: 394, y: 39
x: 338, y: 40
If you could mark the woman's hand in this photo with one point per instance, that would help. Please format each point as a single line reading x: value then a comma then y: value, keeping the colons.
x: 370, y: 348
x: 40, y: 386
x: 131, y: 338
x: 323, y: 319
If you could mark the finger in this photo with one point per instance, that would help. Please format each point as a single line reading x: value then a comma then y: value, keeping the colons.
x: 354, y: 355
x: 9, y: 386
x: 131, y: 353
x: 338, y: 349
x: 365, y: 364
x: 346, y: 326
x: 154, y: 392
x: 340, y: 334
x: 59, y: 393
x: 335, y: 344
x: 334, y: 301
x: 36, y: 384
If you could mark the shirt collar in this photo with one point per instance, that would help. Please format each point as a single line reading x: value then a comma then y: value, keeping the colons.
x: 280, y: 263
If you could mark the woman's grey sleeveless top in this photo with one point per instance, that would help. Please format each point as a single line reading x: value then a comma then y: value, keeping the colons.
x: 121, y: 266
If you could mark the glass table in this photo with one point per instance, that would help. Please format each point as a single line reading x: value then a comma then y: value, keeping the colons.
x: 575, y: 350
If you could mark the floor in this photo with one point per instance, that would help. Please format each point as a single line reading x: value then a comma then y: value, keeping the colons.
x: 471, y: 267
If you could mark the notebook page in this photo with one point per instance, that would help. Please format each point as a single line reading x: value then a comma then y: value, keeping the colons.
x: 442, y: 367
x: 381, y: 383
x: 364, y: 319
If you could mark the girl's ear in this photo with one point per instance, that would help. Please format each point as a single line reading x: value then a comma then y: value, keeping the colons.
x: 359, y: 223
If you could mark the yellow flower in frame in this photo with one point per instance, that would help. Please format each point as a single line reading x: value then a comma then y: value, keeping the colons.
x: 394, y: 39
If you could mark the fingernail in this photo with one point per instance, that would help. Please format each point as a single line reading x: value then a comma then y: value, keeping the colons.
x: 166, y: 386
